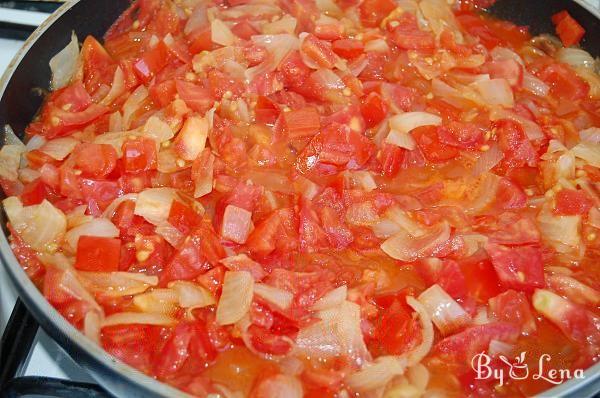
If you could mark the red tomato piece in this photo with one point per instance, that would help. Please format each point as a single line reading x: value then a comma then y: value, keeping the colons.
x: 183, y: 217
x: 304, y: 122
x: 519, y: 267
x: 508, y: 69
x: 139, y: 154
x: 513, y: 307
x: 152, y: 62
x: 244, y: 30
x: 372, y: 12
x: 373, y: 109
x: 34, y: 193
x: 567, y: 28
x: 319, y: 51
x: 564, y: 82
x: 461, y: 135
x: 163, y: 93
x: 391, y: 159
x: 95, y: 160
x: 196, y: 97
x: 98, y: 66
x: 267, y: 342
x: 396, y: 332
x: 429, y: 143
x: 98, y: 254
x: 408, y: 36
x: 348, y: 48
x: 510, y: 195
x: 571, y: 202
x: 447, y: 274
x: 513, y: 142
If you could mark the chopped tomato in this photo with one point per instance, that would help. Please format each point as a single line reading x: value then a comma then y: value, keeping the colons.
x: 373, y: 109
x: 98, y: 254
x: 303, y: 122
x: 461, y: 135
x: 98, y: 66
x: 372, y: 12
x: 513, y: 307
x: 429, y: 143
x: 152, y: 62
x: 183, y: 217
x: 564, y: 82
x: 567, y: 28
x: 95, y: 160
x: 571, y: 202
x: 34, y: 193
x: 510, y: 195
x: 519, y: 267
x: 139, y: 154
x: 319, y: 51
x: 197, y: 98
x: 348, y: 48
x: 408, y: 36
x: 397, y: 331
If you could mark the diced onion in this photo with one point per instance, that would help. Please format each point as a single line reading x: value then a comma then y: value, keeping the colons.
x: 221, y: 34
x: 591, y: 135
x: 408, y: 121
x: 141, y: 318
x: 286, y: 24
x: 377, y: 374
x: 35, y: 142
x: 132, y: 104
x: 64, y: 64
x: 10, y: 159
x: 116, y: 89
x: 91, y: 326
x: 588, y: 152
x: 59, y: 148
x: 403, y: 247
x: 328, y: 79
x: 278, y: 47
x: 560, y: 232
x: 417, y: 354
x: 237, y: 223
x: 400, y: 217
x: 117, y: 284
x: 154, y: 204
x: 377, y: 45
x: 40, y: 225
x: 162, y: 301
x: 197, y: 20
x: 535, y: 85
x: 495, y: 92
x: 100, y: 227
x: 402, y: 139
x: 576, y: 291
x: 10, y: 138
x: 279, y: 298
x: 192, y: 295
x: 576, y: 57
x: 331, y: 299
x: 279, y: 386
x: 158, y: 130
x: 192, y: 137
x: 488, y: 160
x: 236, y: 297
x: 444, y: 311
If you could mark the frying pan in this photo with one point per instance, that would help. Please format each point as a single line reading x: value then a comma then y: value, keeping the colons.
x: 20, y: 100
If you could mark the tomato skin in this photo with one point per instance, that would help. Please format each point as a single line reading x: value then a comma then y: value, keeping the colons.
x: 319, y: 50
x: 139, y: 154
x: 152, y: 62
x: 564, y: 82
x: 519, y: 267
x: 95, y: 160
x: 433, y: 150
x: 373, y: 109
x: 567, y: 28
x: 513, y: 307
x: 98, y: 254
x: 348, y: 48
x: 372, y: 12
x: 570, y: 202
x: 98, y: 66
x: 182, y: 217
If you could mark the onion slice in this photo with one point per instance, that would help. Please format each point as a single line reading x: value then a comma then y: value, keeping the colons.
x: 129, y: 318
x: 64, y: 64
x: 236, y: 297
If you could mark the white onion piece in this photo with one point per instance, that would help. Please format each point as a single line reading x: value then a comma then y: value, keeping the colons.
x: 35, y: 142
x: 331, y: 299
x: 591, y: 135
x: 278, y: 47
x: 532, y: 130
x: 377, y: 46
x: 236, y: 297
x: 401, y: 218
x: 444, y: 311
x: 402, y: 139
x: 117, y: 284
x: 535, y: 85
x: 191, y: 139
x: 306, y: 187
x: 502, y: 53
x: 279, y: 298
x: 221, y: 34
x: 203, y: 184
x: 377, y: 374
x: 488, y: 160
x: 163, y: 301
x: 328, y: 79
x: 40, y: 226
x: 171, y: 234
x: 158, y: 130
x: 279, y: 386
x: 403, y: 247
x: 110, y: 209
x: 197, y: 20
x: 116, y: 89
x: 10, y: 160
x: 154, y: 204
x: 329, y: 7
x: 417, y: 354
x: 495, y: 92
x: 59, y: 148
x: 408, y: 121
x: 286, y: 24
x: 498, y: 347
x: 132, y: 104
x: 91, y: 326
x: 192, y: 295
x: 64, y: 64
x: 574, y: 290
x: 100, y: 227
x: 560, y: 232
x: 576, y: 57
x: 141, y: 318
x: 385, y: 228
x: 588, y: 152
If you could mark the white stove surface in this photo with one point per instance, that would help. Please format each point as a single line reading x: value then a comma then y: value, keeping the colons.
x: 47, y: 359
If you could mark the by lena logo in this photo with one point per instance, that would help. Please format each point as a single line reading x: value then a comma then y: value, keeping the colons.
x: 518, y: 369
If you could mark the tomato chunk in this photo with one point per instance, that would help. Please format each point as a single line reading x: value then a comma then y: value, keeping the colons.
x: 570, y: 202
x: 519, y: 268
x: 567, y: 28
x: 139, y: 154
x: 98, y: 254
